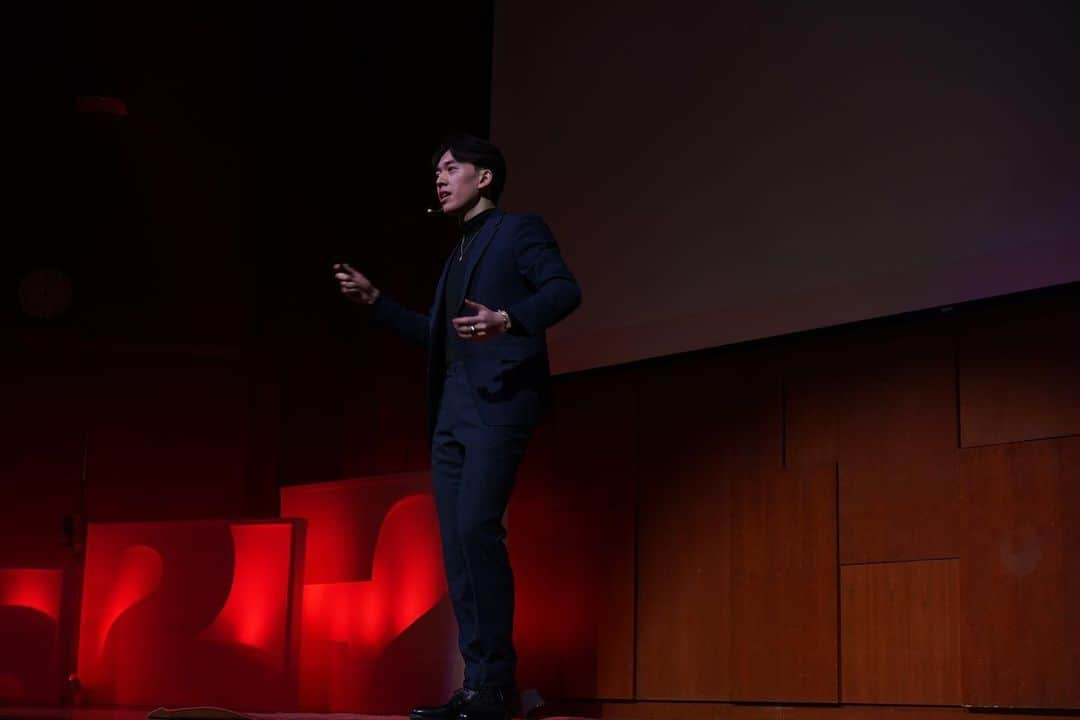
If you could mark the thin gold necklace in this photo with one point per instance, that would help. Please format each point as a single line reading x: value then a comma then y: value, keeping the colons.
x: 465, y: 245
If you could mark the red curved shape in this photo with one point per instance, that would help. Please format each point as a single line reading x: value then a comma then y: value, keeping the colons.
x: 259, y: 596
x: 407, y: 577
x: 343, y: 522
x: 407, y: 581
x: 347, y: 626
x: 139, y: 576
x: 32, y: 588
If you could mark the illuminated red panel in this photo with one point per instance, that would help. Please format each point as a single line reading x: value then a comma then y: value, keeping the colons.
x: 29, y: 629
x: 343, y: 521
x: 190, y: 613
x: 406, y: 582
x: 258, y: 599
x: 138, y: 576
x: 35, y: 589
x: 378, y: 631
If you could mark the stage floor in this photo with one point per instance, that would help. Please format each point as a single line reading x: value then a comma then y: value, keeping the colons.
x: 26, y: 713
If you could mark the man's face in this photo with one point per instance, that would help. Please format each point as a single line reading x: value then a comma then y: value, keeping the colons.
x: 458, y: 184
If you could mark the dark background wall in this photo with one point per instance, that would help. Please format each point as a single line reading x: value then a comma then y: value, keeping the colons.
x: 174, y: 297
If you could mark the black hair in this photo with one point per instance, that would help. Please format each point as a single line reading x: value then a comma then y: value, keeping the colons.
x: 478, y: 152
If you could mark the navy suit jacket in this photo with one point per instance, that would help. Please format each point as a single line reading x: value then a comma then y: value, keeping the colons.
x: 514, y: 264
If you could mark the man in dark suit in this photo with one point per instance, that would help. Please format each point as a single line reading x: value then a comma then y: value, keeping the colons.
x: 503, y: 285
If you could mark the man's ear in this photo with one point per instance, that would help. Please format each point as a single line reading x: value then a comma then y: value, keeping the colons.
x: 485, y: 178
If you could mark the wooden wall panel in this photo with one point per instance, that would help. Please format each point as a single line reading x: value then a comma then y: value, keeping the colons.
x: 706, y: 419
x: 783, y: 587
x: 1018, y: 364
x: 683, y: 621
x: 881, y: 401
x: 900, y: 633
x: 572, y: 542
x: 1021, y: 635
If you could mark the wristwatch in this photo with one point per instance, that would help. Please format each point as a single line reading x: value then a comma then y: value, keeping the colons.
x: 506, y: 319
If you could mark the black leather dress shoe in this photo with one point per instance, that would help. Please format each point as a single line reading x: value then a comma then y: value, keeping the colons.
x: 449, y: 711
x: 488, y: 703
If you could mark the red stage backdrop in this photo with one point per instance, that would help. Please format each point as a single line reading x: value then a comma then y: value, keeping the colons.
x: 30, y: 624
x: 197, y: 612
x: 378, y: 630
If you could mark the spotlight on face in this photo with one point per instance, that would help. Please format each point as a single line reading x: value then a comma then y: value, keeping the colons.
x: 458, y: 184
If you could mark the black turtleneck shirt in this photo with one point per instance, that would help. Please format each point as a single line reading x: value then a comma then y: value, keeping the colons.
x: 454, y: 299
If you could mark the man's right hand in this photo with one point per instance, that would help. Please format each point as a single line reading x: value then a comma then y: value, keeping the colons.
x: 355, y: 286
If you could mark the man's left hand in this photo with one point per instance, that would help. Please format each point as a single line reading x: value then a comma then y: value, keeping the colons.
x: 484, y: 325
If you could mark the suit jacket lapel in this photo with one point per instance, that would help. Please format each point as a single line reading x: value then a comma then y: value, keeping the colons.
x: 479, y: 246
x: 438, y: 309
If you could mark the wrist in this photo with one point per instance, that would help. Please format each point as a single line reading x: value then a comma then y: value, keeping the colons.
x: 505, y: 317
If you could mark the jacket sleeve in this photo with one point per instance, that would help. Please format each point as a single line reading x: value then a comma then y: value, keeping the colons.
x: 411, y: 325
x: 555, y: 290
